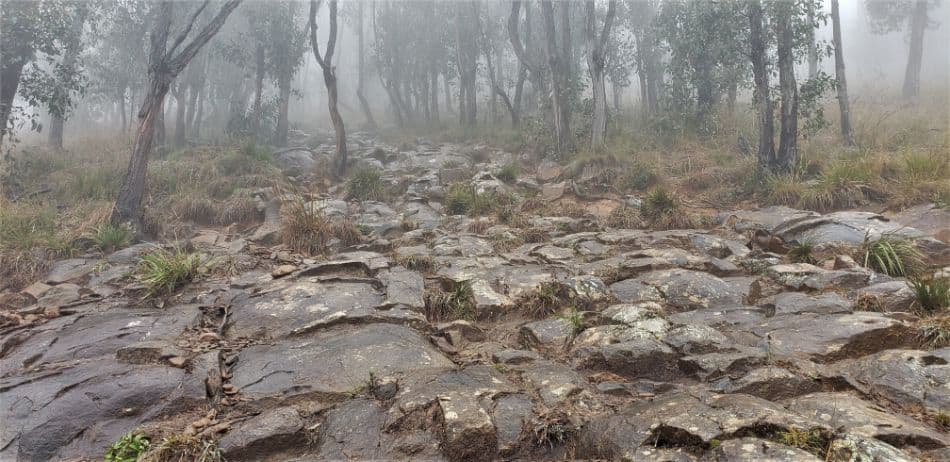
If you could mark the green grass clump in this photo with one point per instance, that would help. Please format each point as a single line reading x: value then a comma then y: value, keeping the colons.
x: 128, y: 448
x: 463, y: 199
x: 457, y: 301
x: 808, y: 440
x: 508, y: 173
x: 785, y: 190
x: 663, y: 211
x: 933, y: 294
x: 109, y: 238
x: 802, y: 252
x: 935, y: 331
x: 365, y: 184
x: 892, y: 255
x: 162, y: 271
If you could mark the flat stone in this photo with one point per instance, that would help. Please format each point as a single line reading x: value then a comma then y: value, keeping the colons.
x: 768, y: 218
x: 801, y: 276
x: 712, y: 366
x: 770, y: 382
x: 550, y: 334
x: 911, y: 378
x: 843, y: 410
x: 693, y: 290
x: 68, y: 270
x: 829, y: 337
x: 757, y: 450
x: 852, y: 447
x: 888, y: 296
x: 403, y: 287
x: 36, y: 290
x: 294, y: 305
x: 277, y: 431
x: 797, y: 302
x: 60, y: 295
x: 554, y: 382
x: 333, y: 362
x: 646, y: 358
x: 514, y: 357
x: 511, y: 413
x: 633, y: 291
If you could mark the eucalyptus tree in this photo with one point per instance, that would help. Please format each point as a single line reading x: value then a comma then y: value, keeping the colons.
x: 32, y: 34
x: 844, y: 105
x: 166, y: 61
x: 558, y: 56
x: 68, y: 69
x: 787, y: 155
x: 325, y: 61
x: 895, y: 15
x: 596, y: 63
x: 118, y: 57
x: 284, y: 42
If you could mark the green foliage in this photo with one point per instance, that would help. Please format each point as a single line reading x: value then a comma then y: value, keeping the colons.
x: 128, y: 448
x: 892, y: 255
x: 245, y: 159
x: 109, y: 237
x: 809, y: 440
x: 508, y: 173
x: 365, y: 184
x: 802, y: 252
x: 935, y: 331
x: 663, y: 211
x: 463, y: 199
x: 932, y: 293
x: 162, y: 271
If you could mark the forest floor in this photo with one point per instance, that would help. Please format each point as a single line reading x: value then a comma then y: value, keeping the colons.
x: 465, y: 302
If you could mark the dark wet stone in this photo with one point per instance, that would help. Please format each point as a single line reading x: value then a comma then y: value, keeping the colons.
x: 646, y: 358
x: 555, y: 383
x: 277, y: 431
x: 90, y: 334
x: 333, y: 362
x: 770, y: 382
x: 77, y: 411
x: 294, y: 305
x: 514, y: 357
x: 511, y: 413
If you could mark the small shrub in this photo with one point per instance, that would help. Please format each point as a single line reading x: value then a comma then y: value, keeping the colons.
x: 533, y: 235
x: 479, y: 226
x: 239, y: 210
x: 109, y: 238
x: 785, y: 190
x: 423, y: 263
x: 463, y: 199
x: 802, y: 252
x: 508, y: 173
x: 365, y: 184
x: 128, y: 448
x: 348, y: 233
x: 197, y: 207
x: 162, y: 271
x: 663, y: 211
x: 456, y: 302
x: 504, y: 242
x: 624, y: 217
x: 892, y: 255
x: 178, y: 448
x: 933, y: 294
x: 935, y: 331
x: 542, y: 301
x: 808, y: 440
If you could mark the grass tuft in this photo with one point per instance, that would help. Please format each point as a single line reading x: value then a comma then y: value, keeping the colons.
x: 163, y: 271
x: 935, y: 331
x: 892, y: 255
x: 463, y: 199
x: 365, y: 184
x: 177, y: 448
x: 508, y: 173
x: 456, y: 301
x: 109, y: 238
x: 808, y: 440
x: 128, y: 448
x: 663, y: 211
x: 802, y: 252
x: 933, y: 294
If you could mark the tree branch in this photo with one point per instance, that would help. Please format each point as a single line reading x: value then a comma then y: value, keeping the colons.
x: 187, y: 30
x: 177, y: 63
x: 515, y: 38
x: 312, y: 25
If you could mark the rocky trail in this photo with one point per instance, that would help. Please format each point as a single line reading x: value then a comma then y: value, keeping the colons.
x: 444, y: 337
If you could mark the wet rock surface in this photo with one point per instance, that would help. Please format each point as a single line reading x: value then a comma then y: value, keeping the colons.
x: 437, y: 338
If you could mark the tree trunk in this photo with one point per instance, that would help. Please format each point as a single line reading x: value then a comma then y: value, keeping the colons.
x: 121, y: 101
x: 760, y: 72
x: 787, y: 156
x: 364, y: 105
x: 918, y: 23
x: 9, y: 82
x: 560, y: 109
x: 71, y: 57
x: 596, y: 62
x: 199, y: 113
x: 283, y: 107
x: 812, y: 45
x: 164, y: 65
x: 448, y: 94
x: 329, y: 78
x: 180, y: 122
x: 434, y: 95
x: 260, y: 69
x: 844, y: 105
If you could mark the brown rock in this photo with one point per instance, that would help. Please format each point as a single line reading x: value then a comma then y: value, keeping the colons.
x: 283, y: 270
